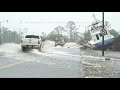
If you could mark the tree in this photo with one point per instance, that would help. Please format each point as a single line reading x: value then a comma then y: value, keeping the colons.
x: 43, y: 35
x: 81, y: 41
x: 71, y: 26
x: 116, y: 46
x: 59, y: 30
x: 51, y: 36
x: 9, y: 36
x: 87, y: 36
x: 4, y: 33
x: 114, y: 33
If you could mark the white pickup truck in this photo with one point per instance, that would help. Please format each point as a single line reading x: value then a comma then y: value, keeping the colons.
x: 31, y: 42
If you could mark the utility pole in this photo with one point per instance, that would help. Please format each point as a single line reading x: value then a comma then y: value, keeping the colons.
x: 103, y: 34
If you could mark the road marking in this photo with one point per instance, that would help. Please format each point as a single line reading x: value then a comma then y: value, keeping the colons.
x: 11, y: 64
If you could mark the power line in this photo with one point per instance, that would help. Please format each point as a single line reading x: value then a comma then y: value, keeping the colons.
x: 51, y: 22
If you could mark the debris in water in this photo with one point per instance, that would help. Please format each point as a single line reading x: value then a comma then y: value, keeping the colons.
x: 107, y: 58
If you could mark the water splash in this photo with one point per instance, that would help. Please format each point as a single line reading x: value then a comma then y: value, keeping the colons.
x: 8, y: 48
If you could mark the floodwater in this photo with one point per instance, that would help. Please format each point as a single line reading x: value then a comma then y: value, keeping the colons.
x: 57, y: 62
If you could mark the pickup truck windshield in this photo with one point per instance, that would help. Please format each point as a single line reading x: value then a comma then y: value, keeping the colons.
x: 32, y: 36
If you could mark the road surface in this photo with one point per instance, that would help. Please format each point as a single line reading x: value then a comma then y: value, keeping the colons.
x: 57, y: 62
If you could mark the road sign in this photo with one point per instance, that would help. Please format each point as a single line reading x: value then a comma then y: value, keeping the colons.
x: 103, y: 31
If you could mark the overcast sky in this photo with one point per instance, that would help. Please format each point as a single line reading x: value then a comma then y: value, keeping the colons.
x: 38, y: 22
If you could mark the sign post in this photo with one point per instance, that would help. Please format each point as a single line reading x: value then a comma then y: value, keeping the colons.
x: 103, y: 34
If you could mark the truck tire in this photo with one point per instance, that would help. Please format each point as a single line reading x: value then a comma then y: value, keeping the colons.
x: 62, y: 45
x: 23, y: 49
x: 39, y: 48
x: 55, y: 45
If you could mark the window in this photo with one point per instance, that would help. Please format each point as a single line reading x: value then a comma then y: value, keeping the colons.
x: 97, y: 37
x: 100, y: 34
x: 31, y: 36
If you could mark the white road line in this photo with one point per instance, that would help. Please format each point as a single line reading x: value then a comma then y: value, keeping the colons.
x: 11, y: 64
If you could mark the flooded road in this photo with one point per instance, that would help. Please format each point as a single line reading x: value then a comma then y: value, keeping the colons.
x: 57, y: 62
x: 52, y: 62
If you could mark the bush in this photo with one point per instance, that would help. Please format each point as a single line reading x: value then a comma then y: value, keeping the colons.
x: 116, y: 46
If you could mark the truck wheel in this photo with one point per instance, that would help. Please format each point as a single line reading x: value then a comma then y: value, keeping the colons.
x: 39, y: 48
x: 55, y: 45
x: 23, y: 49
